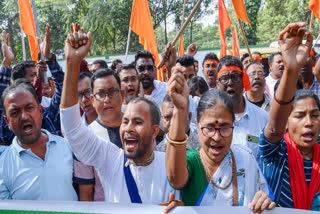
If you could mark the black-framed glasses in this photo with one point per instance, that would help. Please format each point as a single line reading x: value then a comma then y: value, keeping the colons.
x: 111, y: 94
x: 86, y: 93
x: 236, y: 77
x: 149, y: 68
x: 254, y: 74
x: 130, y: 79
x: 224, y: 131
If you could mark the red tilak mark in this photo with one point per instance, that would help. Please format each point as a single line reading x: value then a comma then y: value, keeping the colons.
x: 216, y: 121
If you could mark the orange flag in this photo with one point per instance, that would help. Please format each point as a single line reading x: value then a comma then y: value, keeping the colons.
x: 235, y: 42
x: 141, y: 24
x: 224, y: 24
x: 314, y: 6
x: 181, y: 47
x: 240, y: 10
x: 28, y: 27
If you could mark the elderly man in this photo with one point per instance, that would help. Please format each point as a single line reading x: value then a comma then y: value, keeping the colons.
x: 256, y: 94
x: 135, y: 174
x: 167, y: 113
x: 250, y: 119
x: 38, y: 165
x: 276, y: 68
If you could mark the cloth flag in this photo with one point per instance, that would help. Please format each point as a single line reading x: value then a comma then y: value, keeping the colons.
x: 141, y: 24
x: 235, y: 42
x: 224, y: 24
x: 28, y: 27
x: 240, y: 10
x: 314, y: 6
x: 181, y: 47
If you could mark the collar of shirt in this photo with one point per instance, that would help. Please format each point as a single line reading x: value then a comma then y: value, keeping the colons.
x: 18, y: 149
x: 247, y: 109
x: 158, y: 86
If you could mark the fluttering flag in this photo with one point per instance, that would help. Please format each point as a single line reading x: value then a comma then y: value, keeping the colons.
x: 28, y: 27
x: 181, y: 47
x: 314, y: 6
x: 224, y: 24
x: 240, y: 10
x: 235, y: 42
x: 141, y: 24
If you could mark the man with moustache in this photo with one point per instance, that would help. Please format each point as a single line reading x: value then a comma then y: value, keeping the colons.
x: 144, y: 63
x: 249, y: 119
x: 135, y: 174
x: 209, y: 67
x: 256, y: 94
x: 38, y: 165
x: 307, y: 77
x: 276, y: 68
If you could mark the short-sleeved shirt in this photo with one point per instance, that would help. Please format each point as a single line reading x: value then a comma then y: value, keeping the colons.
x: 25, y: 176
x: 274, y: 163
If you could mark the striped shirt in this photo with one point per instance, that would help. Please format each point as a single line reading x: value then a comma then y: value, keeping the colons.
x: 274, y: 163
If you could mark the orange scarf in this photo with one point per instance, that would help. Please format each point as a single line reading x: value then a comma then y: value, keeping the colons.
x: 302, y: 194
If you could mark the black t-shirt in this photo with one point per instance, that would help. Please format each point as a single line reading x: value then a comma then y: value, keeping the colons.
x: 259, y: 104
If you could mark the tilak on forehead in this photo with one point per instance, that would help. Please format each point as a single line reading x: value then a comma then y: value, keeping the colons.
x: 245, y: 76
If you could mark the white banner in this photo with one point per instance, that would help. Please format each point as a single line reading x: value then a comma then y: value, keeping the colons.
x: 102, y: 207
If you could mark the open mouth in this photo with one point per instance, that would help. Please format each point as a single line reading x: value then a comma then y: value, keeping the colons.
x: 131, y: 91
x: 87, y: 108
x: 281, y: 68
x: 27, y: 128
x: 131, y: 143
x: 216, y: 150
x: 231, y: 92
x: 308, y: 136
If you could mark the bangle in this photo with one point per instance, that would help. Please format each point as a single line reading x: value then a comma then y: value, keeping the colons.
x: 281, y: 102
x: 177, y: 143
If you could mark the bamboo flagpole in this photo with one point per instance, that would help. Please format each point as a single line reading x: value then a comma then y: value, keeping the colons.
x: 182, y: 20
x: 245, y: 39
x: 194, y: 10
x: 128, y: 42
x: 311, y: 20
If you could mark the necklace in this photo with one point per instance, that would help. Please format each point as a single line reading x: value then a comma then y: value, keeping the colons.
x: 145, y: 162
x: 233, y: 179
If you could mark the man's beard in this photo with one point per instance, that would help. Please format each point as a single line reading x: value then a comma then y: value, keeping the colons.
x: 147, y: 85
x: 29, y: 141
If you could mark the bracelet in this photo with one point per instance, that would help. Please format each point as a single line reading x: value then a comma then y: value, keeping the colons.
x: 177, y: 143
x: 281, y: 102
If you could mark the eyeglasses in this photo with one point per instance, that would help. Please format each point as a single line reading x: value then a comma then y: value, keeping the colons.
x: 225, y: 131
x: 234, y: 78
x: 127, y: 79
x: 86, y: 93
x: 254, y: 74
x: 149, y: 68
x: 111, y: 94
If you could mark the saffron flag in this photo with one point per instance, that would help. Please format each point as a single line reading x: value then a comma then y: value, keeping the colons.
x: 141, y: 24
x: 235, y: 43
x: 224, y: 24
x: 181, y: 47
x: 314, y: 6
x: 240, y: 10
x: 28, y: 27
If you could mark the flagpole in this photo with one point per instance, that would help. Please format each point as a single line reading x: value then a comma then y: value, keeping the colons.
x: 182, y: 20
x: 316, y: 41
x: 194, y: 10
x: 128, y: 42
x: 36, y: 24
x: 23, y: 46
x: 311, y: 20
x: 245, y: 39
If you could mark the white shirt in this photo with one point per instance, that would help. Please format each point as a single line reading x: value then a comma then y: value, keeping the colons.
x: 159, y: 92
x: 108, y: 159
x: 45, y: 101
x: 271, y: 83
x: 247, y: 129
x: 84, y: 120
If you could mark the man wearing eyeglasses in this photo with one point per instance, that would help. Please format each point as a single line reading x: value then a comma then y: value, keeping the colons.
x: 84, y: 93
x: 257, y: 79
x: 249, y: 119
x: 145, y: 66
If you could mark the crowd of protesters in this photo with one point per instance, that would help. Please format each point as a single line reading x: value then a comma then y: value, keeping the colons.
x: 244, y: 135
